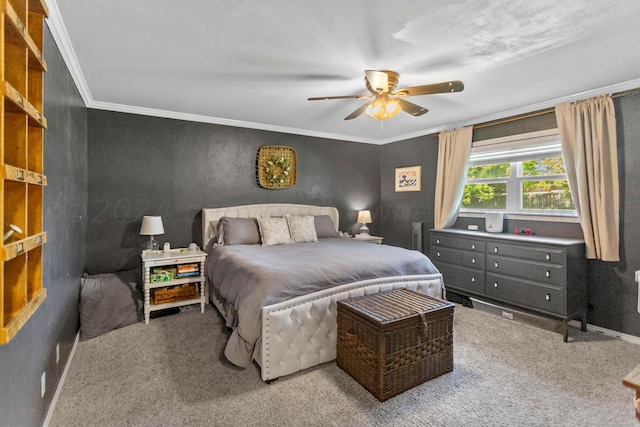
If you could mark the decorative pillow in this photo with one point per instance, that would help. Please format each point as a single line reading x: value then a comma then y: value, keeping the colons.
x: 238, y: 231
x: 274, y: 231
x: 109, y: 301
x: 324, y: 226
x: 302, y: 228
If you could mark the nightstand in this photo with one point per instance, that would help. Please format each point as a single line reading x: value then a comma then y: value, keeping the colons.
x: 172, y: 279
x: 371, y: 239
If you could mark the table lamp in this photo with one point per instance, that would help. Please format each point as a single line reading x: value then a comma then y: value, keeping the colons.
x: 151, y: 226
x: 364, y: 217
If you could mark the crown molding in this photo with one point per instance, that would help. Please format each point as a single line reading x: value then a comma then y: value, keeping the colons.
x: 61, y: 37
x: 122, y: 108
x: 611, y: 89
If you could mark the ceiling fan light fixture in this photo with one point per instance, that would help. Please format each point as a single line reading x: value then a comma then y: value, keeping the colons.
x: 388, y: 101
x: 383, y: 108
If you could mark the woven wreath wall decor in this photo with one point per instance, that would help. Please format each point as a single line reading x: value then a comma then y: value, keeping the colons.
x: 276, y: 167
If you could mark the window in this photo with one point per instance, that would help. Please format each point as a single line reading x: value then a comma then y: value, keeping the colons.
x: 518, y: 174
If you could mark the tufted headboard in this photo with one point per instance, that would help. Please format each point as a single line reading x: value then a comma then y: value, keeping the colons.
x: 211, y: 216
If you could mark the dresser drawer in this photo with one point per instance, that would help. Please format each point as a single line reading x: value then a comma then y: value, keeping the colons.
x: 467, y: 259
x: 532, y: 253
x: 551, y: 274
x: 462, y: 278
x: 464, y: 243
x: 536, y: 296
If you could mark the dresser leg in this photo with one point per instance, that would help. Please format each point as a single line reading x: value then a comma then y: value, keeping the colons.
x: 583, y: 322
x: 565, y: 330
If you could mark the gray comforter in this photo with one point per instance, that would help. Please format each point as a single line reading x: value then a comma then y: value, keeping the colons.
x: 248, y: 277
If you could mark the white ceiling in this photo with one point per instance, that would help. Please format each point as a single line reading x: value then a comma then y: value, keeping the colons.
x: 255, y: 63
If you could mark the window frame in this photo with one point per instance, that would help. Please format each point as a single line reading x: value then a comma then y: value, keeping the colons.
x: 515, y: 149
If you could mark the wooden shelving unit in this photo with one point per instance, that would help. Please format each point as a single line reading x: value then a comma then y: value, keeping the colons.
x: 172, y: 259
x: 21, y: 162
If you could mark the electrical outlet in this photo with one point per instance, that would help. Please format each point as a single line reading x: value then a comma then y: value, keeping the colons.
x: 57, y: 353
x: 43, y: 384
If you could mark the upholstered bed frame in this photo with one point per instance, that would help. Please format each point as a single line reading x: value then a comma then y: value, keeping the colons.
x: 301, y: 332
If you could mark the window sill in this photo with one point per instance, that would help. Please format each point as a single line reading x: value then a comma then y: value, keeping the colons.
x: 546, y: 217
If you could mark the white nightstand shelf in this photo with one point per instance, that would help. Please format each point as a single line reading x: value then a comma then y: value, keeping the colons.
x: 371, y: 239
x: 173, y: 259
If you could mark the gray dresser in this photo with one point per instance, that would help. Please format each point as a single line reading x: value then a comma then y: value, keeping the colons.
x: 544, y: 276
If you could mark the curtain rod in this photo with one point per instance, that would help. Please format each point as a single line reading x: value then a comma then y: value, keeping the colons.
x: 532, y: 114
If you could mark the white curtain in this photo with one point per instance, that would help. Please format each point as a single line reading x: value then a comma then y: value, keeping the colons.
x: 454, y: 148
x: 588, y: 137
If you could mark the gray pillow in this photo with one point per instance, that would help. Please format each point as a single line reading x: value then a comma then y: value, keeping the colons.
x: 109, y: 301
x: 324, y: 226
x: 238, y: 231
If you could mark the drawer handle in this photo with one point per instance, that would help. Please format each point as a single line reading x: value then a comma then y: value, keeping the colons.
x: 495, y: 284
x: 473, y: 246
x: 495, y: 250
x: 547, y: 297
x: 473, y: 280
x: 495, y: 264
x: 548, y: 273
x: 19, y: 174
x: 19, y: 248
x: 438, y: 254
x: 473, y: 260
x: 548, y: 257
x: 438, y: 241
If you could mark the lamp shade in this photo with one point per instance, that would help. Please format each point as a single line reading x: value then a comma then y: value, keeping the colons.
x: 151, y: 226
x: 364, y: 217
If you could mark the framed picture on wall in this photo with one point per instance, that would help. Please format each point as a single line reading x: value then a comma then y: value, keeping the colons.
x: 408, y: 178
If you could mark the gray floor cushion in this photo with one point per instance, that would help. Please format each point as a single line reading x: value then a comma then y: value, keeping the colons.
x: 109, y: 301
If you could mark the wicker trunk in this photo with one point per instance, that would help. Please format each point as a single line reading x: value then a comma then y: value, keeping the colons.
x: 392, y: 341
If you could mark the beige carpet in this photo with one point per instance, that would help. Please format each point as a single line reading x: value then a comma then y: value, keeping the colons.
x: 171, y: 373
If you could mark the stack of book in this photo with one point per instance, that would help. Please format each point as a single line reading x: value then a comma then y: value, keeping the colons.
x: 187, y: 270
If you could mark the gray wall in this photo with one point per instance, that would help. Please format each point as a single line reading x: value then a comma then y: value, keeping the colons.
x: 32, y: 350
x: 141, y: 165
x: 613, y: 293
x: 400, y: 210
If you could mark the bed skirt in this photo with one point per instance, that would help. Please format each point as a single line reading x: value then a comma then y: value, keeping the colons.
x: 301, y: 332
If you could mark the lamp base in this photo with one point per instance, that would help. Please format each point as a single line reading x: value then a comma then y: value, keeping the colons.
x: 364, y: 230
x: 152, y: 244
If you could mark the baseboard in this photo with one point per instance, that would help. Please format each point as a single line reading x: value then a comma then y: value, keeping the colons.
x: 608, y: 332
x: 54, y: 401
x: 547, y: 323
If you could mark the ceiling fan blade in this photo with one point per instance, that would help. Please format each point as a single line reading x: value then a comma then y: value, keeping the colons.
x: 323, y: 98
x: 444, y: 87
x: 359, y: 111
x: 411, y: 108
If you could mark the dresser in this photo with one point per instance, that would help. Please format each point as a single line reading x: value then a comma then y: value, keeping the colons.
x: 544, y: 276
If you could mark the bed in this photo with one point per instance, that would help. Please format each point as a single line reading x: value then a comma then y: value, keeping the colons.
x: 280, y: 300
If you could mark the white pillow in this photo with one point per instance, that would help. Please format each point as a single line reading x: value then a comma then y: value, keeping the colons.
x: 302, y: 228
x: 274, y: 231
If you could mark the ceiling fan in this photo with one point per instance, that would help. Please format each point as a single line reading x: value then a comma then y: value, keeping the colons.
x: 386, y: 102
